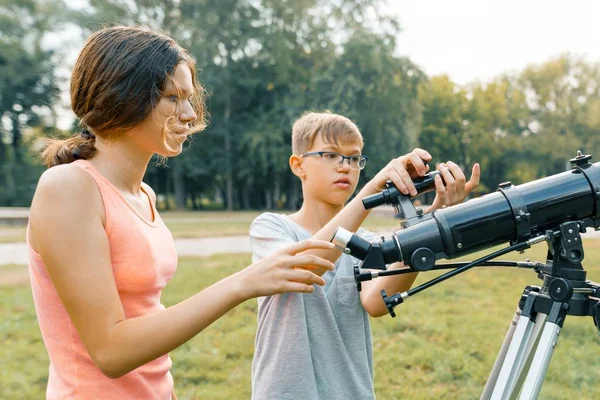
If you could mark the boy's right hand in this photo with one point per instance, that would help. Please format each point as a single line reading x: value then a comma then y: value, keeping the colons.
x: 401, y: 171
x: 284, y: 271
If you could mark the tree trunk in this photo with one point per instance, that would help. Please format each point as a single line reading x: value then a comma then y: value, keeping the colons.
x: 293, y: 199
x: 268, y: 200
x: 227, y: 134
x: 16, y: 138
x: 168, y: 190
x: 277, y: 194
x: 178, y: 186
x: 246, y: 198
x: 228, y: 158
x: 193, y: 198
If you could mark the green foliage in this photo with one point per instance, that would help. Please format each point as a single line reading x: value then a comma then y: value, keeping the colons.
x: 27, y: 87
x: 518, y: 128
x: 265, y: 63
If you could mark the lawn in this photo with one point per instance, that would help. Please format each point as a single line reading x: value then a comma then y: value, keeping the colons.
x: 202, y: 224
x: 442, y: 344
x: 221, y: 223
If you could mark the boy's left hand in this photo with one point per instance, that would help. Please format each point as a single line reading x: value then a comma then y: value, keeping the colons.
x: 456, y: 188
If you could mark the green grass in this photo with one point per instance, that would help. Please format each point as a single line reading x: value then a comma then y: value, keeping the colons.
x: 211, y: 224
x: 442, y: 344
x: 191, y: 225
x: 203, y: 224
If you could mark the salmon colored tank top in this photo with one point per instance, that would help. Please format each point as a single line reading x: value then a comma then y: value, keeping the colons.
x: 143, y: 260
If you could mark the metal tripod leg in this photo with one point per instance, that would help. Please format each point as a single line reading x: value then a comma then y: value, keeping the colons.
x: 541, y: 360
x: 523, y: 337
x: 530, y: 350
x: 491, y: 382
x: 493, y: 377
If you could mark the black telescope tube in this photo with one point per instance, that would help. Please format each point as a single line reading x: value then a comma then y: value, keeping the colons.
x: 512, y: 214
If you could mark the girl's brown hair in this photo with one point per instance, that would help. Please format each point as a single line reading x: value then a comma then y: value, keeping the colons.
x: 118, y: 79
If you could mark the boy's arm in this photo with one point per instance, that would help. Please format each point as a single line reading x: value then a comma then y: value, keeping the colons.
x: 455, y: 191
x: 370, y: 296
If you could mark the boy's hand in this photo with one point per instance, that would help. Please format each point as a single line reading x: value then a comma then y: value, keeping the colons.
x: 285, y: 271
x: 456, y: 189
x: 401, y: 171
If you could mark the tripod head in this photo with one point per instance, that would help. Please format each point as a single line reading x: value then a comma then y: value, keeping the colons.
x: 555, y: 209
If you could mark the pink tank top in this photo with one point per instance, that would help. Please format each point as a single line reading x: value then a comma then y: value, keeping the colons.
x: 143, y: 260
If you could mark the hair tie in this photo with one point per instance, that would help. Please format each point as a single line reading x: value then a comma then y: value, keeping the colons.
x: 87, y: 134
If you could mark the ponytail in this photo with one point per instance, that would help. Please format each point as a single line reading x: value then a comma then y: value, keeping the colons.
x: 64, y: 151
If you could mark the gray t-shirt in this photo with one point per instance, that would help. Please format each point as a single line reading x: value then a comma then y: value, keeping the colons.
x: 310, y: 345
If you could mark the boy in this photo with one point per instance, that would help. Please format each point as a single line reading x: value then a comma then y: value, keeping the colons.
x: 318, y: 346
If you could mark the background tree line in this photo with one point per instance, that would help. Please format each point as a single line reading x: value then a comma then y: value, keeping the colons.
x: 265, y: 62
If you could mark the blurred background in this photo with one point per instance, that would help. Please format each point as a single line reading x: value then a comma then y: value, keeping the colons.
x: 513, y: 85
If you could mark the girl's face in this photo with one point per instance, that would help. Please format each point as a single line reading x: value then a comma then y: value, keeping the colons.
x: 166, y: 128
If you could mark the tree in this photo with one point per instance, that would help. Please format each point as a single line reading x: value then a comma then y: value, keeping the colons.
x: 27, y: 88
x: 261, y: 63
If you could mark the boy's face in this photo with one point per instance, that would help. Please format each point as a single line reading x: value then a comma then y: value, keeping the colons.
x: 329, y: 181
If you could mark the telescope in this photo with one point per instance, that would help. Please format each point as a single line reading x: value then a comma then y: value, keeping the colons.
x: 555, y: 210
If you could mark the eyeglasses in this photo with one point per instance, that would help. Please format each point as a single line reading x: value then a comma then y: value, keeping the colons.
x: 331, y: 157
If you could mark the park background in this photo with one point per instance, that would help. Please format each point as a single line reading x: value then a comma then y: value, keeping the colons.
x: 512, y: 85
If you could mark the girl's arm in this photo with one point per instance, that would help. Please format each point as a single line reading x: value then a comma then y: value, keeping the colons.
x: 67, y: 230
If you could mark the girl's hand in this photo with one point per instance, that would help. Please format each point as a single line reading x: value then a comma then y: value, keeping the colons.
x: 285, y: 271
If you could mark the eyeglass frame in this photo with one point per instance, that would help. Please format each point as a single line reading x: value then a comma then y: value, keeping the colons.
x: 320, y: 154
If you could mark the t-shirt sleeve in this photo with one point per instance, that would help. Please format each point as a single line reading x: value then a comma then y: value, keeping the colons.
x: 268, y: 234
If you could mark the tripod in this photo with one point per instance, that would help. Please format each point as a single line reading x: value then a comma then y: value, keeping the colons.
x: 525, y: 354
x: 554, y: 209
x: 528, y: 346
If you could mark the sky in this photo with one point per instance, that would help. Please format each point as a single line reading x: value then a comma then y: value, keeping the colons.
x: 480, y: 39
x: 473, y: 40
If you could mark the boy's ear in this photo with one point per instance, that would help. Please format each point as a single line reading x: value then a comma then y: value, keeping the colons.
x: 296, y: 165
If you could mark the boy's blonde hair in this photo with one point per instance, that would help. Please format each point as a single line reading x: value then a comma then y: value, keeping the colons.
x: 332, y: 128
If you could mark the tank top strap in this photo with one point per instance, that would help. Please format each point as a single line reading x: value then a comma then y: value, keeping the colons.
x: 110, y: 198
x: 114, y: 202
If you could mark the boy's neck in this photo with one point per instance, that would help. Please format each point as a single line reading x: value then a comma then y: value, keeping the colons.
x: 315, y: 214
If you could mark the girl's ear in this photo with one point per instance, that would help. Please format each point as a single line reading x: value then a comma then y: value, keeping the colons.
x: 297, y: 165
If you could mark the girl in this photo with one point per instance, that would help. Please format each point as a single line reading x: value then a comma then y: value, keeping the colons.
x: 100, y: 253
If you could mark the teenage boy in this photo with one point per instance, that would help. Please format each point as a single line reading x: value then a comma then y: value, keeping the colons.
x: 318, y: 345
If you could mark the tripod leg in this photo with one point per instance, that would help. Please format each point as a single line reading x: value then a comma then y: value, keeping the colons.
x: 530, y: 350
x: 541, y: 360
x: 491, y: 382
x: 516, y: 353
x: 493, y: 377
